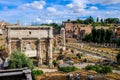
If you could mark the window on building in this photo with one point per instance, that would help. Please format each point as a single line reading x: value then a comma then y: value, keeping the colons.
x: 29, y: 32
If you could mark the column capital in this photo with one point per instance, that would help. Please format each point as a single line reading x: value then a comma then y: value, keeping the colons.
x: 50, y: 35
x: 39, y: 39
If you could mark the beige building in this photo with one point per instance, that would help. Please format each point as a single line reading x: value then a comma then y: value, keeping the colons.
x: 34, y: 41
x: 77, y: 30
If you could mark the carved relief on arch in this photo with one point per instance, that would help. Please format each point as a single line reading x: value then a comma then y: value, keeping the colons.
x: 15, y: 45
x: 29, y: 45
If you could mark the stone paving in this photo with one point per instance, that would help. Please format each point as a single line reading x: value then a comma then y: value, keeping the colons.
x: 91, y: 50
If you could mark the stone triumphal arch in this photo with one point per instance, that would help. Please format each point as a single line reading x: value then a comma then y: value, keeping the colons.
x: 34, y: 41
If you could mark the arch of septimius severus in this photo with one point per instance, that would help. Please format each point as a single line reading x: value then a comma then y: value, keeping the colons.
x: 34, y: 41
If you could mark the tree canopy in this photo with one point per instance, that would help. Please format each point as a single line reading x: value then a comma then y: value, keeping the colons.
x: 99, y: 36
x: 54, y: 25
x: 89, y: 20
x: 112, y: 20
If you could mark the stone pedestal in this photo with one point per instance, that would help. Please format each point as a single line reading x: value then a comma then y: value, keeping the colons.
x: 27, y: 74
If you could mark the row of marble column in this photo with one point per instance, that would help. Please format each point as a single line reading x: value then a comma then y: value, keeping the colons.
x: 39, y: 53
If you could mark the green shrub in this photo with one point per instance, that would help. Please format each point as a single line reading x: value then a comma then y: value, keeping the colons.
x: 99, y: 69
x: 19, y: 60
x: 67, y: 69
x: 106, y: 69
x: 54, y: 62
x: 36, y: 73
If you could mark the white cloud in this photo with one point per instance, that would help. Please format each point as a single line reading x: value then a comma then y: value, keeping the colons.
x: 51, y: 9
x: 38, y: 4
x: 70, y: 5
x: 35, y: 5
x: 38, y: 20
x: 49, y: 21
x: 93, y: 8
x: 77, y: 5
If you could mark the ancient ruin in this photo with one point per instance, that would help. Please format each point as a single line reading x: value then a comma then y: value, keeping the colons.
x: 63, y: 38
x: 34, y: 41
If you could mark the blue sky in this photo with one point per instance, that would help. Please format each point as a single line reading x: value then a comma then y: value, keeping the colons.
x: 48, y: 11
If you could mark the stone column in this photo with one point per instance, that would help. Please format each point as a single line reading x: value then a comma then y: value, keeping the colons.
x: 9, y: 46
x: 50, y: 46
x: 50, y: 51
x: 39, y: 56
x: 63, y: 37
x: 9, y: 41
x: 21, y: 44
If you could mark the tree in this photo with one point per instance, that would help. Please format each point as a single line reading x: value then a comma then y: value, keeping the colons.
x: 118, y: 42
x: 112, y: 20
x: 98, y: 36
x: 19, y: 60
x: 101, y: 21
x: 94, y: 32
x: 109, y: 35
x: 54, y: 25
x: 118, y: 58
x: 89, y: 20
x: 102, y: 37
x: 68, y: 20
x: 79, y: 21
x: 87, y: 37
x: 97, y: 19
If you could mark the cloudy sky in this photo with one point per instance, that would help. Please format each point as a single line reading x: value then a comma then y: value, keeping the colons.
x: 47, y: 11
